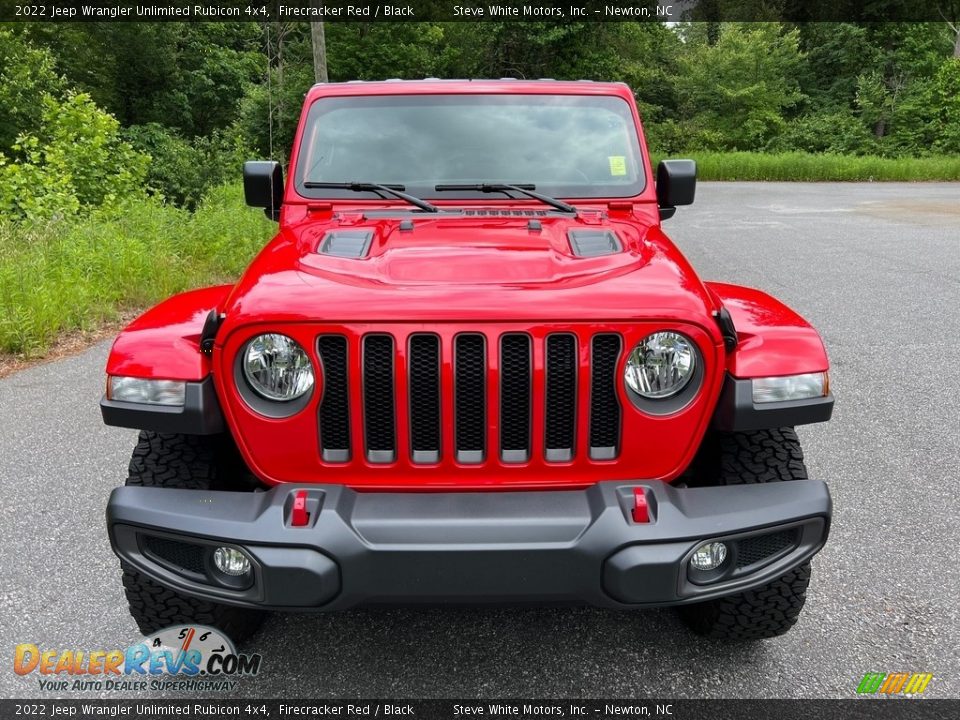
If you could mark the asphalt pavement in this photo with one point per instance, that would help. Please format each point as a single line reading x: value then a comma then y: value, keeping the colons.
x: 876, y: 267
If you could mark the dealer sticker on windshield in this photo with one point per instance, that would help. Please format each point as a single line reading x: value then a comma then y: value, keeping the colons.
x: 618, y: 164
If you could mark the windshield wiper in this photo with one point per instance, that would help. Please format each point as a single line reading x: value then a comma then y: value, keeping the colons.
x: 395, y: 190
x: 506, y: 188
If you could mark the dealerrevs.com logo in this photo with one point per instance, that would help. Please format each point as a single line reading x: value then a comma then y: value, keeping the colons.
x: 183, y: 657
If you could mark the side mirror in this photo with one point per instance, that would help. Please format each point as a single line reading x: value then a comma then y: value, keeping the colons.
x: 263, y: 186
x: 676, y: 185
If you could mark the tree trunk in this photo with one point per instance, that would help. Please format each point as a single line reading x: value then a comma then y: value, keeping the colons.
x: 319, y: 52
x: 956, y: 43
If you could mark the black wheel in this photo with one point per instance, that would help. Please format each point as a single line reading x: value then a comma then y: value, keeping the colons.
x: 196, y: 463
x: 736, y: 458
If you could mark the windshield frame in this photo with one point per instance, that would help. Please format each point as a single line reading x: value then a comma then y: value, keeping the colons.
x: 611, y: 191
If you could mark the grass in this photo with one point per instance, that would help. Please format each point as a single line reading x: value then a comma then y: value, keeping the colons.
x: 808, y: 167
x: 79, y: 274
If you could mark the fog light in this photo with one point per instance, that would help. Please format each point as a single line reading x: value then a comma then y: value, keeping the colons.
x: 231, y: 562
x: 709, y: 556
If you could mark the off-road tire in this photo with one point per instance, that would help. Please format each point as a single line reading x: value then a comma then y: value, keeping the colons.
x: 186, y: 462
x: 738, y: 458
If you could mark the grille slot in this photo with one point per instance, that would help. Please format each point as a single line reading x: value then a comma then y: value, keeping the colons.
x: 561, y: 391
x: 515, y: 383
x: 753, y: 550
x: 424, y: 388
x: 378, y: 399
x: 470, y: 397
x: 334, y: 413
x: 185, y: 556
x: 604, y: 405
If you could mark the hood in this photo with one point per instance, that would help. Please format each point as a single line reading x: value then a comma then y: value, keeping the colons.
x: 493, y: 264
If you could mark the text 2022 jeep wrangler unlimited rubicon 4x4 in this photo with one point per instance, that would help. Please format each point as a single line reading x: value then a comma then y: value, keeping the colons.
x: 441, y: 383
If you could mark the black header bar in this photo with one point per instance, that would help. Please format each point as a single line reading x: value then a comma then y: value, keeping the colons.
x: 794, y: 11
x: 232, y: 708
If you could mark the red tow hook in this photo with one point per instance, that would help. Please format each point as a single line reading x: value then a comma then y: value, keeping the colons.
x: 299, y: 516
x: 641, y: 510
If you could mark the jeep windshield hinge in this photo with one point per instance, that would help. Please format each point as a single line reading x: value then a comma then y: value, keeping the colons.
x: 209, y: 333
x: 727, y: 329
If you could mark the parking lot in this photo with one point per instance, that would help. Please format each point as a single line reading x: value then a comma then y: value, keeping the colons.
x: 876, y: 267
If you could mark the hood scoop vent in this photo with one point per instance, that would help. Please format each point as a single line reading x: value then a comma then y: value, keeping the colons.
x: 593, y: 243
x: 346, y: 243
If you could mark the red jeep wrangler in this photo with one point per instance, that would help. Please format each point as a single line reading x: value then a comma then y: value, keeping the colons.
x: 470, y: 367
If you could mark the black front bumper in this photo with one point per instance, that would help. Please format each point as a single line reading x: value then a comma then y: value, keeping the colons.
x: 576, y: 546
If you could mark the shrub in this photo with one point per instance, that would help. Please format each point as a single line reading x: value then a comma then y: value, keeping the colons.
x: 75, y: 160
x: 832, y: 132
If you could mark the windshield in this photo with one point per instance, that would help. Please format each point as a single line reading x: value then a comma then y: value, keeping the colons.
x: 573, y: 146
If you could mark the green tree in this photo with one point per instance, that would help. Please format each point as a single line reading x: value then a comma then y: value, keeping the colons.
x: 735, y: 94
x: 947, y: 94
x: 181, y: 171
x: 190, y: 76
x: 892, y: 93
x: 836, y: 54
x: 26, y: 75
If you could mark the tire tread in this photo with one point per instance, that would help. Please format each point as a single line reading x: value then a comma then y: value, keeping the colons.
x: 760, y: 456
x: 186, y: 462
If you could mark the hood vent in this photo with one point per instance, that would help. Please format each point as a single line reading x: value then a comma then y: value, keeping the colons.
x: 593, y: 243
x: 346, y: 243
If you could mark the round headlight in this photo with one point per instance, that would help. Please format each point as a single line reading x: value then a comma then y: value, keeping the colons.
x: 277, y: 367
x: 661, y: 365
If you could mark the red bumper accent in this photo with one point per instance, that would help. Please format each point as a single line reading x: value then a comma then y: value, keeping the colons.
x: 641, y: 510
x: 298, y: 515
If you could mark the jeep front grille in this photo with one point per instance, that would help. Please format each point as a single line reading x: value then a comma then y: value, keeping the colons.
x: 424, y: 373
x: 424, y: 394
x: 604, y: 406
x: 515, y: 397
x: 334, y: 410
x: 561, y: 397
x: 379, y: 423
x: 470, y: 402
